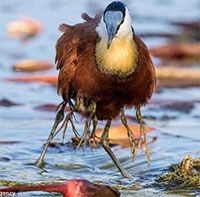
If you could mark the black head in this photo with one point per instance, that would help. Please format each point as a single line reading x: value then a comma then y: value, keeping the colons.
x: 116, y: 6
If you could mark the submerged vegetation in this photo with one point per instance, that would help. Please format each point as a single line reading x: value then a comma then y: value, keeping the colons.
x: 184, y: 176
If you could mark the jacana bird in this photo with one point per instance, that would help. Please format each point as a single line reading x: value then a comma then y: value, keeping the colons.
x: 104, y: 68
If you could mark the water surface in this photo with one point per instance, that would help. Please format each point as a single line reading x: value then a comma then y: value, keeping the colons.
x: 178, y: 133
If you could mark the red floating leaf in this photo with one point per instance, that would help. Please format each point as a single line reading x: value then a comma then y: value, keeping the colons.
x: 73, y: 188
x: 45, y: 79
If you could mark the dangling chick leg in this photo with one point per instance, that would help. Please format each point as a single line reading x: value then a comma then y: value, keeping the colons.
x: 131, y: 136
x: 59, y: 118
x: 69, y: 117
x: 95, y: 123
x: 106, y: 146
x: 86, y: 133
x: 92, y: 142
x: 144, y: 134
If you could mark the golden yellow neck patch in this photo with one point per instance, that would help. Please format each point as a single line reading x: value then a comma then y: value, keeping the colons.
x: 120, y: 59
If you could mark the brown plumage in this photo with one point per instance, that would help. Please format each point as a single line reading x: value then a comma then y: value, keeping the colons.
x: 75, y: 56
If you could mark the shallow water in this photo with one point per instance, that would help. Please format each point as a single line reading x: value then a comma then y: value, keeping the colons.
x: 178, y: 133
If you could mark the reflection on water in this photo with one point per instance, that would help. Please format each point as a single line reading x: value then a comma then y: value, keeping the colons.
x: 177, y: 136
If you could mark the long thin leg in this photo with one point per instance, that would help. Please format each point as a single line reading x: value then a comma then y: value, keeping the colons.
x: 106, y: 146
x: 59, y: 118
x: 131, y: 136
x: 144, y: 134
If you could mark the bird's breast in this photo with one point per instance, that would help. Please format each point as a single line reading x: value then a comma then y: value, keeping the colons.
x: 120, y: 59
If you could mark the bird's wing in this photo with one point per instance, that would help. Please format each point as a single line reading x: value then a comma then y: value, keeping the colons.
x: 146, y: 68
x: 68, y: 48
